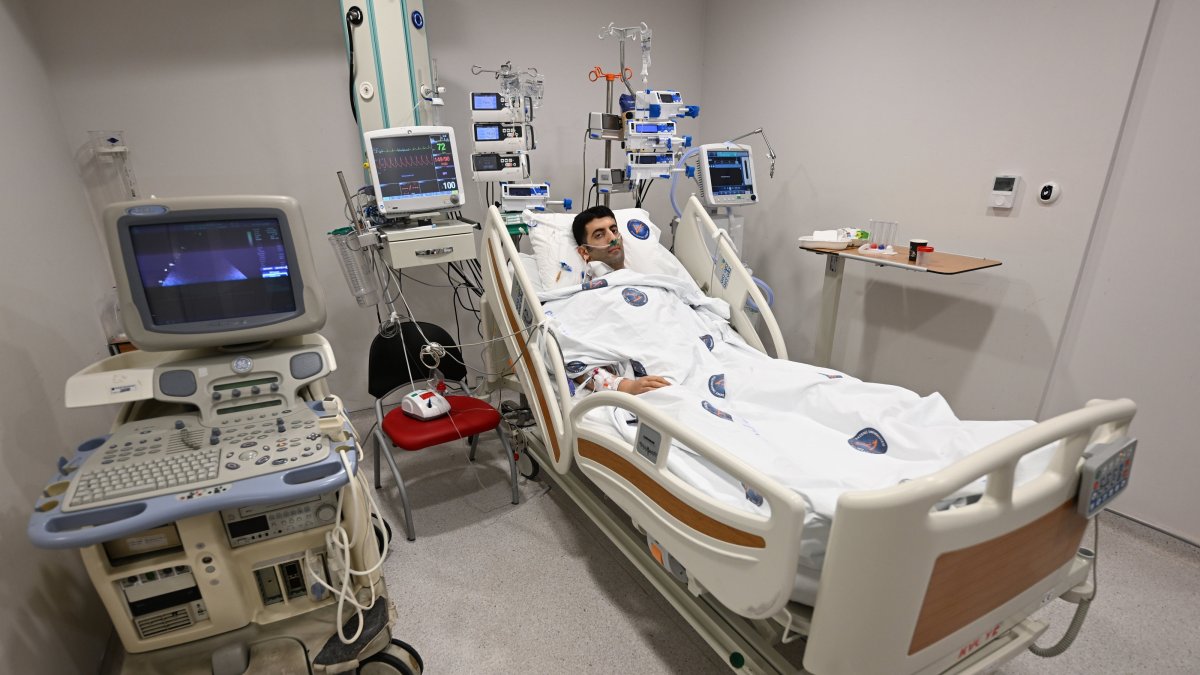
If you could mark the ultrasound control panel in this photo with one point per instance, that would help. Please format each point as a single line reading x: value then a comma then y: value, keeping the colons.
x: 179, y: 455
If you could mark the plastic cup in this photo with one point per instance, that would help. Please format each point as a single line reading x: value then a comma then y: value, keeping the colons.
x: 923, y: 255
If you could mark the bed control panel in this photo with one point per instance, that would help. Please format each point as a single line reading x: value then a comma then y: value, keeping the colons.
x: 1105, y: 474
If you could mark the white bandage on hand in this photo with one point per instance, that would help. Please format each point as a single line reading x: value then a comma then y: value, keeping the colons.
x: 602, y: 379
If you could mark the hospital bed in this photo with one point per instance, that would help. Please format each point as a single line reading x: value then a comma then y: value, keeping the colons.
x: 905, y: 587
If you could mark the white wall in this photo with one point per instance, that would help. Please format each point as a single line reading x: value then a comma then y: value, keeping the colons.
x: 50, y: 618
x: 1135, y: 324
x: 904, y: 111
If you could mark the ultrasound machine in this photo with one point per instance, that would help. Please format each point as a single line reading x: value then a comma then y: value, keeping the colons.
x: 222, y: 519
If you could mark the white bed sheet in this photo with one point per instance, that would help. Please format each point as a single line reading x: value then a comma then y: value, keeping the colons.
x: 816, y: 430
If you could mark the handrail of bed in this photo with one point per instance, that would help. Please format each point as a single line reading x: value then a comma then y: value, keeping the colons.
x: 723, y: 276
x: 929, y: 585
x: 709, y: 537
x: 546, y: 384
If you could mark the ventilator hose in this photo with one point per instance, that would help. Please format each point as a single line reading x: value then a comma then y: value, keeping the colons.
x: 1069, y: 637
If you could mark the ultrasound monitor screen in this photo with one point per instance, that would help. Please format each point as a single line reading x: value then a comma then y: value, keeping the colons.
x: 213, y: 270
x: 420, y: 165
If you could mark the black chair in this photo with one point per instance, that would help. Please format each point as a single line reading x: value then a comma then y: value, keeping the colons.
x: 468, y: 416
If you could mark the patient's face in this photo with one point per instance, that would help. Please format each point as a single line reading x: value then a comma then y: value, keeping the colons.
x: 602, y: 243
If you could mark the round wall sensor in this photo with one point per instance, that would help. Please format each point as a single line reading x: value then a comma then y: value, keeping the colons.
x: 1049, y: 192
x: 366, y: 90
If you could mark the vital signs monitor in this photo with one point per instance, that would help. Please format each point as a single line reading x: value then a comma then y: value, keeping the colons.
x: 414, y: 169
x: 727, y: 175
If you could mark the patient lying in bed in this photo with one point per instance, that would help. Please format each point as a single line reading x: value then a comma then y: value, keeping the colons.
x: 816, y: 430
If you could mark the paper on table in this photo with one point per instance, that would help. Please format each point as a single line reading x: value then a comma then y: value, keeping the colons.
x: 827, y: 235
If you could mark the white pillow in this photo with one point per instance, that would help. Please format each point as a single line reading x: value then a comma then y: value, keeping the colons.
x: 559, y: 263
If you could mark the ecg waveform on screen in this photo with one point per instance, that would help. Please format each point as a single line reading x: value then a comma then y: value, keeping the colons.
x: 407, y: 160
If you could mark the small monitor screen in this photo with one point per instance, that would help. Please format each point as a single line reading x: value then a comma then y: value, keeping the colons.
x: 666, y: 98
x: 487, y: 132
x: 486, y: 162
x: 1004, y: 183
x: 420, y: 165
x: 212, y: 270
x: 643, y: 128
x: 485, y: 101
x: 521, y: 191
x: 729, y: 172
x: 650, y: 159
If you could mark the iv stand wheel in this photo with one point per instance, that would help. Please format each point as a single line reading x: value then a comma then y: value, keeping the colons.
x: 379, y: 540
x: 399, y: 657
x: 527, y: 466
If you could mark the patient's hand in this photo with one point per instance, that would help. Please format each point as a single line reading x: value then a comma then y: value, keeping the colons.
x: 642, y: 385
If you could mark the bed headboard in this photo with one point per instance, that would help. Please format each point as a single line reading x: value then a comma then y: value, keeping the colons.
x: 905, y: 588
x: 722, y: 275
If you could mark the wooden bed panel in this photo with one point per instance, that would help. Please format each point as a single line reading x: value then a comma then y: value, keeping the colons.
x: 968, y: 583
x: 514, y: 328
x: 670, y: 503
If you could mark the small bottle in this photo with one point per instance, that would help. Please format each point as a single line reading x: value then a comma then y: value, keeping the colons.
x: 923, y: 255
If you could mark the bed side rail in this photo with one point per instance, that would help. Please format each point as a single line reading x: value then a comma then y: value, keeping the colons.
x: 724, y: 276
x: 905, y: 589
x: 745, y: 560
x: 515, y: 309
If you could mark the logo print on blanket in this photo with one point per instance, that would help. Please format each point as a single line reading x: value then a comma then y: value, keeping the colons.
x: 634, y: 297
x: 638, y: 369
x: 594, y: 284
x: 708, y: 341
x: 716, y: 384
x: 638, y: 229
x: 714, y: 410
x: 832, y: 377
x: 869, y: 440
x: 576, y: 367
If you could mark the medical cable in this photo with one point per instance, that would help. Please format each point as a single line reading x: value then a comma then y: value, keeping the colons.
x: 583, y: 181
x: 338, y: 541
x: 675, y: 177
x: 1064, y: 643
x: 530, y: 329
x: 354, y: 17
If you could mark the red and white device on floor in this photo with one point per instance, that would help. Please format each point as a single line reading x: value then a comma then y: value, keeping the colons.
x: 424, y: 404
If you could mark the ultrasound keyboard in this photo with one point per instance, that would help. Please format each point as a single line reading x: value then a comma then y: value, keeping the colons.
x: 178, y: 455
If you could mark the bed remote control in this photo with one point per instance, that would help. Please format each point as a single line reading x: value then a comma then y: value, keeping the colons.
x: 1105, y: 474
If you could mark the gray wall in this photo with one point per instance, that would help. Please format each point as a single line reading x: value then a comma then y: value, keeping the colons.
x: 905, y: 111
x: 54, y: 285
x: 1135, y: 323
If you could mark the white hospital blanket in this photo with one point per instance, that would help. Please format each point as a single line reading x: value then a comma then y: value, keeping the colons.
x: 816, y: 430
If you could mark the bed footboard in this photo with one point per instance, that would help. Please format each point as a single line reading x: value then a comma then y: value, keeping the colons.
x: 744, y: 560
x: 925, y: 589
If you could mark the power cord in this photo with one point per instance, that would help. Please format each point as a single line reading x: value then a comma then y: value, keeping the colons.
x: 1064, y: 643
x: 339, y: 544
